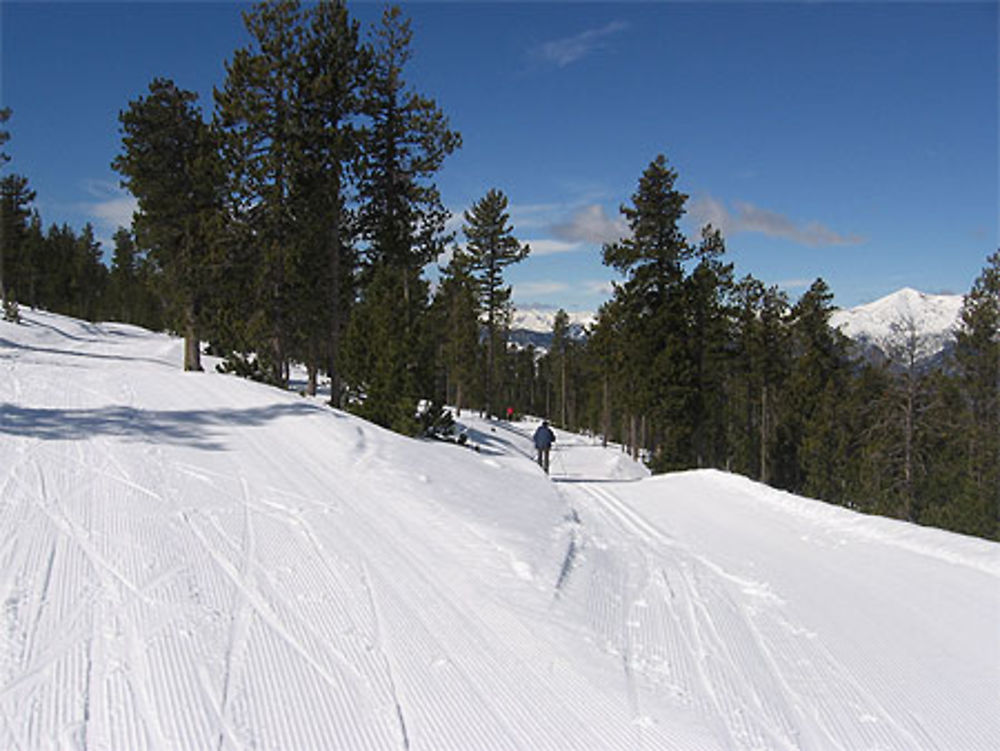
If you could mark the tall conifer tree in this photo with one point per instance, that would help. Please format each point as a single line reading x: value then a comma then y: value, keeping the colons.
x: 651, y: 304
x: 170, y: 163
x: 491, y: 247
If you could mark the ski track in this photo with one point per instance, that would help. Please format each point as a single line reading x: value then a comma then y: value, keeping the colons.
x: 687, y: 628
x: 155, y: 595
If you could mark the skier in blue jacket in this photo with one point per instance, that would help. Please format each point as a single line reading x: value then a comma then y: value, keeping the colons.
x: 544, y: 438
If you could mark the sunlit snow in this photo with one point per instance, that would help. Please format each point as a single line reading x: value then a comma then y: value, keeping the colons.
x: 194, y: 561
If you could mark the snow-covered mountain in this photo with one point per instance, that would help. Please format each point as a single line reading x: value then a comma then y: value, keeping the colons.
x: 195, y: 561
x: 883, y: 330
x: 886, y: 328
x: 534, y: 326
x: 543, y: 319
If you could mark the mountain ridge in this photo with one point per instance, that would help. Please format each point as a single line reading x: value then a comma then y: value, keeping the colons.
x: 884, y: 329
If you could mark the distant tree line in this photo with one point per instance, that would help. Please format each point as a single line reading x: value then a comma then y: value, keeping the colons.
x: 690, y: 367
x: 296, y: 224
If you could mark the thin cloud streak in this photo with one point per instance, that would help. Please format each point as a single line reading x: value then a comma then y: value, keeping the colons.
x: 568, y: 50
x: 547, y: 247
x: 539, y: 288
x: 590, y: 224
x: 749, y: 218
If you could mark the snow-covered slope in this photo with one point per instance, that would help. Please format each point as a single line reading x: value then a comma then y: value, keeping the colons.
x: 905, y: 317
x: 196, y: 561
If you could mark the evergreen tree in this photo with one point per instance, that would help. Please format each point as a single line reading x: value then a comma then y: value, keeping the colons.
x: 978, y: 354
x: 559, y: 354
x: 490, y: 249
x: 386, y: 374
x: 401, y: 217
x: 90, y: 276
x: 813, y: 442
x: 605, y: 345
x: 5, y: 113
x: 328, y: 102
x: 256, y: 112
x: 15, y: 200
x: 659, y: 375
x: 170, y: 163
x: 33, y: 254
x: 708, y: 289
x: 457, y: 313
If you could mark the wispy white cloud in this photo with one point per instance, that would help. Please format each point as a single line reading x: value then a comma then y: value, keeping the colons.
x: 531, y: 215
x: 114, y: 212
x: 590, y: 224
x: 795, y: 283
x: 526, y: 289
x: 111, y: 208
x: 603, y: 287
x: 546, y: 247
x: 745, y: 217
x: 568, y: 50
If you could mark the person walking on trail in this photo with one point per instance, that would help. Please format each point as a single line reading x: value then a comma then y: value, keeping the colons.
x: 544, y: 438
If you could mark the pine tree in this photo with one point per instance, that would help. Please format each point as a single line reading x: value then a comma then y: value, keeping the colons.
x: 708, y: 290
x: 15, y: 200
x: 659, y: 378
x: 978, y: 354
x: 813, y: 441
x: 490, y: 249
x: 457, y: 314
x: 401, y: 217
x: 385, y: 373
x: 762, y: 355
x: 256, y: 113
x: 170, y: 163
x: 5, y: 113
x: 328, y: 102
x: 559, y: 354
x: 90, y: 276
x: 33, y: 253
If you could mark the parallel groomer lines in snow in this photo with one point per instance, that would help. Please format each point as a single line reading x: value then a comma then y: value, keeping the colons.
x: 368, y: 591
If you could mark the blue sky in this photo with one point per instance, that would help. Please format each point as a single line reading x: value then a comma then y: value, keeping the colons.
x: 857, y: 142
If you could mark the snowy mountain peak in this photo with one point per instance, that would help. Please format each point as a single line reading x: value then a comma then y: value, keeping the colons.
x: 541, y: 320
x: 892, y: 322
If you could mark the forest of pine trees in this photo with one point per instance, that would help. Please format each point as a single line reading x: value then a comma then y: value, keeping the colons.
x: 296, y: 224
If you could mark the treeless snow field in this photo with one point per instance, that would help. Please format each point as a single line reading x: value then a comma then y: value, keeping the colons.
x: 194, y: 561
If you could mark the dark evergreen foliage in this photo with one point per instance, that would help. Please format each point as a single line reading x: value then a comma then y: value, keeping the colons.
x: 490, y: 249
x: 170, y: 162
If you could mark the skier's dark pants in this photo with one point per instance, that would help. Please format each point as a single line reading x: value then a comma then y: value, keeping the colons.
x: 543, y: 459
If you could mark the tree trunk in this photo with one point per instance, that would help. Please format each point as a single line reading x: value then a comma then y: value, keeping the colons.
x: 763, y: 434
x: 606, y: 413
x: 192, y: 348
x: 633, y: 438
x: 562, y: 400
x: 333, y: 368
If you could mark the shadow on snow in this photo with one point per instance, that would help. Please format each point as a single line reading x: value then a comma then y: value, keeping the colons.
x: 189, y: 427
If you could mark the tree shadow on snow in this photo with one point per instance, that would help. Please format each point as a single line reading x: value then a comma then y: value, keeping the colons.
x: 185, y: 427
x: 77, y: 353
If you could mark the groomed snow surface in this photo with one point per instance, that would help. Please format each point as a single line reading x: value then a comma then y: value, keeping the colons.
x: 194, y: 561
